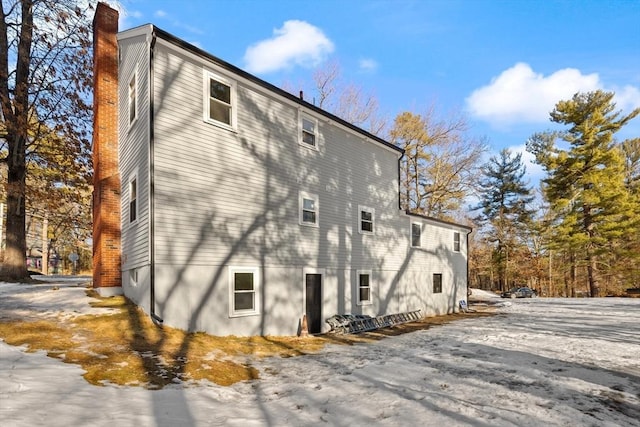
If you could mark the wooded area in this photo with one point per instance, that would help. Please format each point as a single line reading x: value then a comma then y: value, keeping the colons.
x: 45, y: 93
x: 577, y: 234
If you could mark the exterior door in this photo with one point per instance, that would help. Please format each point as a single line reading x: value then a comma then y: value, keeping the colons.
x: 313, y: 303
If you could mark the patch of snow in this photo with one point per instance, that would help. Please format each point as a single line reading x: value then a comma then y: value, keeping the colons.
x: 482, y: 295
x: 553, y: 362
x: 56, y: 297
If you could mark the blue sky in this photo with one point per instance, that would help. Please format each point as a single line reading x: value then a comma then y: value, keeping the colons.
x: 504, y: 64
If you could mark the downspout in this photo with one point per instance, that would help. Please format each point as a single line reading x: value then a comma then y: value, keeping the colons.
x: 468, y: 251
x: 152, y: 250
x: 399, y: 179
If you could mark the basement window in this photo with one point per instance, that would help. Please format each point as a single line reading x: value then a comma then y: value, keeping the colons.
x: 133, y: 277
x: 243, y: 295
x: 364, y: 287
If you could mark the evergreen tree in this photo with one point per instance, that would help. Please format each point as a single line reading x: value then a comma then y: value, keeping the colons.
x: 586, y: 185
x: 504, y: 204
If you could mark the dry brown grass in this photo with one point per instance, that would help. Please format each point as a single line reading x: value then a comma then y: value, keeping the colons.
x: 125, y: 347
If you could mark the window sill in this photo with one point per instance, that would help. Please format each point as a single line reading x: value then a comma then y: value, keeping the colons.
x: 244, y: 313
x: 309, y: 146
x: 304, y: 224
x: 221, y: 125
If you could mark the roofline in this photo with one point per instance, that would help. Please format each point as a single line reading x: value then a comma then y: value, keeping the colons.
x: 441, y: 221
x: 232, y: 68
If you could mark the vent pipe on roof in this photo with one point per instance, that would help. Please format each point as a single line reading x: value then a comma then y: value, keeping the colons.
x: 301, y: 95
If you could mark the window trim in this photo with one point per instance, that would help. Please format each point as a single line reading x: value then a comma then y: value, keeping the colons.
x: 208, y: 76
x: 456, y: 241
x: 256, y: 291
x: 359, y: 273
x: 372, y: 211
x: 301, y: 197
x: 133, y: 178
x: 302, y: 117
x: 419, y: 245
x: 433, y: 283
x: 133, y: 94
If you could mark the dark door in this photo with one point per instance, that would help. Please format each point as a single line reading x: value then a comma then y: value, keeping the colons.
x: 313, y: 283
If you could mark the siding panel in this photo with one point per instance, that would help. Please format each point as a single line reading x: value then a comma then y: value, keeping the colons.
x: 230, y: 197
x: 133, y: 151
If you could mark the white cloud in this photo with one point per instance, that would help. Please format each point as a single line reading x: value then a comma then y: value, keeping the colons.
x: 297, y: 43
x: 134, y: 14
x: 627, y: 98
x: 160, y: 13
x: 519, y: 94
x: 535, y: 172
x: 367, y: 65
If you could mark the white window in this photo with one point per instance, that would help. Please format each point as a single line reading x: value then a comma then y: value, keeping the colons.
x: 363, y: 278
x: 133, y: 99
x: 366, y: 220
x: 416, y: 234
x: 220, y: 100
x: 133, y: 199
x: 309, y: 209
x: 456, y: 241
x: 308, y: 131
x: 243, y: 291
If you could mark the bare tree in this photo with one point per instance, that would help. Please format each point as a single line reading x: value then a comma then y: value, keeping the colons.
x: 440, y: 164
x: 45, y: 86
x: 346, y: 100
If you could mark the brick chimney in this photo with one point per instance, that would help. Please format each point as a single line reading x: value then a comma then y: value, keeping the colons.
x: 106, y: 179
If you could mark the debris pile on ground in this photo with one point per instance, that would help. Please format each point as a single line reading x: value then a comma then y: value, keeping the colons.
x: 356, y: 323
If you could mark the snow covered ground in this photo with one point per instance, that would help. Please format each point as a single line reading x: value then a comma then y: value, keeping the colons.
x: 551, y: 362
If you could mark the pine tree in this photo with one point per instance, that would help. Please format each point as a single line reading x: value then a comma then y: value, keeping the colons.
x: 504, y: 204
x: 585, y: 185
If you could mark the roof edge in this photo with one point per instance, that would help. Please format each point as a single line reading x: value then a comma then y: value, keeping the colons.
x: 441, y: 221
x: 244, y: 74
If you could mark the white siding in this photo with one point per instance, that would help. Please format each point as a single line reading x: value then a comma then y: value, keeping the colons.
x: 230, y: 198
x: 133, y: 151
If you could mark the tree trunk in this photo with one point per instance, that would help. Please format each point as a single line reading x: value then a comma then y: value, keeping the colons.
x: 15, y: 259
x: 16, y: 117
x: 594, y: 285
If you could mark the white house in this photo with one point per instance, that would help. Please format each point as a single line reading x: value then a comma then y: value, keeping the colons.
x: 244, y: 207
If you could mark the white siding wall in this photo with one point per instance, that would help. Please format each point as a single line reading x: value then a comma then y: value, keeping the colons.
x: 134, y: 161
x: 230, y: 198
